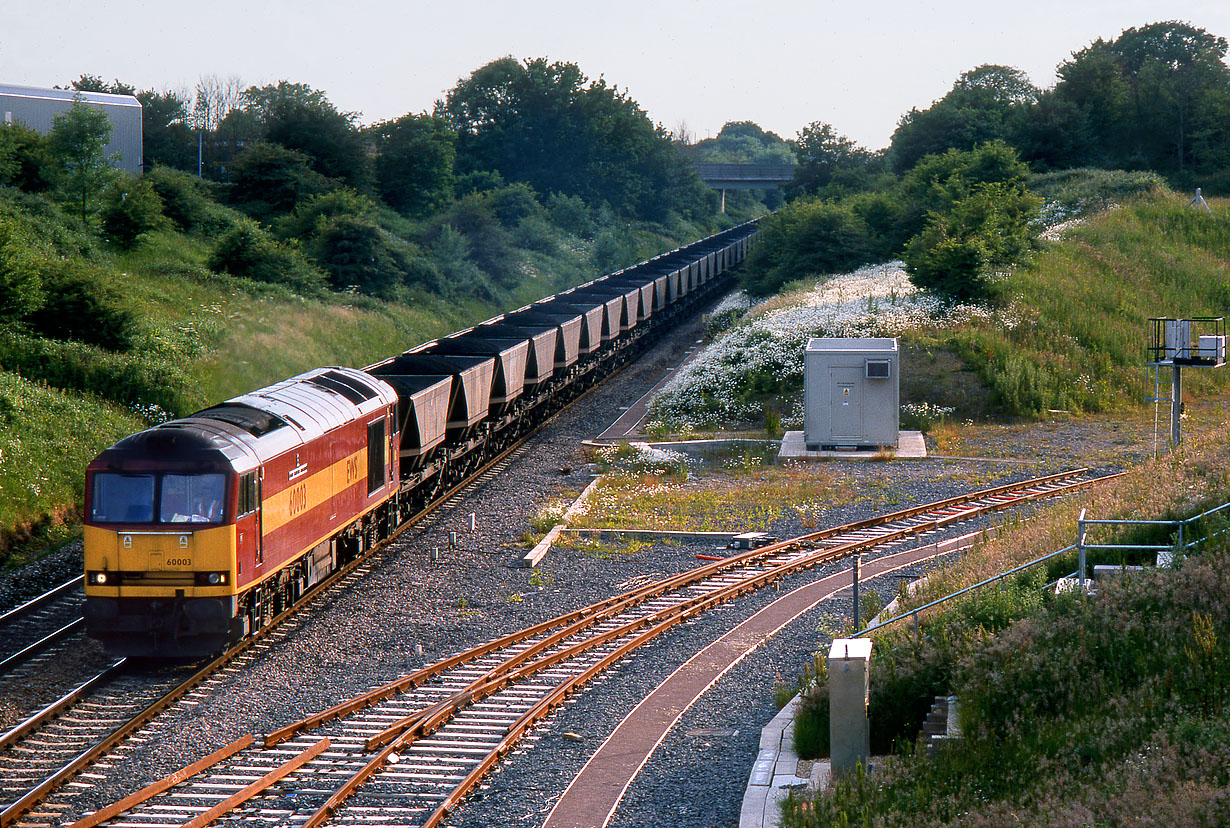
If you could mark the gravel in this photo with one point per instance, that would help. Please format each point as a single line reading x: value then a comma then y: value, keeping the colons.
x: 407, y: 612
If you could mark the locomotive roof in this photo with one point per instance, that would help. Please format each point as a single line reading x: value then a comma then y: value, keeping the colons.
x: 282, y: 416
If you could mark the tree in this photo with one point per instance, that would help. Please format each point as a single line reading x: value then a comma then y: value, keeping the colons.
x: 743, y: 142
x: 939, y: 181
x: 414, y: 163
x: 975, y: 212
x: 806, y: 238
x: 94, y: 83
x: 547, y: 125
x: 269, y: 179
x: 980, y: 107
x: 131, y: 209
x: 77, y: 144
x: 166, y: 135
x: 1006, y: 85
x: 827, y: 159
x: 24, y: 162
x: 300, y: 118
x: 1149, y: 93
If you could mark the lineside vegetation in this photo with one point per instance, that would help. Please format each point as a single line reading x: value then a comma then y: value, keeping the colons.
x: 1103, y: 710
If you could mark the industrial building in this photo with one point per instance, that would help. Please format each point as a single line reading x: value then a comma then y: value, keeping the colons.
x: 37, y: 109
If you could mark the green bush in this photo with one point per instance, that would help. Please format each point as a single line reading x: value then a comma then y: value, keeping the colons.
x: 570, y: 214
x: 24, y: 160
x: 450, y: 256
x: 81, y: 307
x: 185, y: 200
x: 807, y: 238
x: 131, y: 208
x: 514, y: 203
x: 22, y: 261
x: 358, y: 254
x: 248, y: 251
x: 957, y: 250
x: 305, y: 221
x: 489, y: 246
x: 269, y: 180
x: 537, y: 234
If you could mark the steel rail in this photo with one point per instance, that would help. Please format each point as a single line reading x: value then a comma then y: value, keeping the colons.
x: 409, y: 729
x: 33, y: 649
x: 586, y: 616
x: 434, y: 716
x: 166, y: 783
x: 32, y: 797
x: 670, y: 617
x: 35, y: 795
x: 45, y: 598
x: 33, y: 723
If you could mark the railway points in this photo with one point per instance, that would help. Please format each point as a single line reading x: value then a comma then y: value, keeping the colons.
x: 505, y: 710
x: 452, y: 623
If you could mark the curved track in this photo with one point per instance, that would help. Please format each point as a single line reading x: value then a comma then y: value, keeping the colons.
x: 409, y: 751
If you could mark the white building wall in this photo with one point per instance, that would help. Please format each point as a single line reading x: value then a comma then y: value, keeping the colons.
x: 37, y: 109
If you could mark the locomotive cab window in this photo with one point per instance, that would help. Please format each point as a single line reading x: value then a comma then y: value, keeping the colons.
x: 192, y: 498
x: 157, y: 498
x: 247, y: 494
x: 377, y: 451
x: 122, y: 498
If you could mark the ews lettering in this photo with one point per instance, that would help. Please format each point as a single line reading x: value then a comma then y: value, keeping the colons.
x: 352, y: 470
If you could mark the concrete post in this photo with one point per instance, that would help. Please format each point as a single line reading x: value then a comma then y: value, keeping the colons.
x: 849, y: 680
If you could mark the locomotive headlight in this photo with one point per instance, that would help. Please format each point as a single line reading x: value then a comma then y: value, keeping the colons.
x: 215, y: 578
x: 100, y: 578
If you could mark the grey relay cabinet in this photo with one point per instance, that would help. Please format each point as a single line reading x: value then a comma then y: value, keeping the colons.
x: 850, y: 393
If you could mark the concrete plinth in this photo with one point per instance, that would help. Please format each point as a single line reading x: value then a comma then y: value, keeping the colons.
x: 910, y: 445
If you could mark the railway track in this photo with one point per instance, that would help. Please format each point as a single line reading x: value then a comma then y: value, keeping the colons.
x: 39, y: 624
x: 37, y: 756
x: 409, y: 751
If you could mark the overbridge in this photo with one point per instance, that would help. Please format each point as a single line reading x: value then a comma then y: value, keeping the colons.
x: 744, y: 176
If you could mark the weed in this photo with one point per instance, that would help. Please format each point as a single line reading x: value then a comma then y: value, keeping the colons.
x: 541, y: 578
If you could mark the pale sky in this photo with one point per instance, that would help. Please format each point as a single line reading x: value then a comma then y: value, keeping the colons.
x: 780, y: 63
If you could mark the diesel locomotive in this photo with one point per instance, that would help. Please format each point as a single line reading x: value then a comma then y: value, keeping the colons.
x: 201, y: 530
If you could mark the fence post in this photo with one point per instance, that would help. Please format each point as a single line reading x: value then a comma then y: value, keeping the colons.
x: 1080, y: 549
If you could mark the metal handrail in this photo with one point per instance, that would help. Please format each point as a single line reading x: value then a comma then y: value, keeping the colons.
x: 1079, y: 547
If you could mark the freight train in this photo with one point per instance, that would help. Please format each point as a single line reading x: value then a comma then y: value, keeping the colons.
x: 201, y: 530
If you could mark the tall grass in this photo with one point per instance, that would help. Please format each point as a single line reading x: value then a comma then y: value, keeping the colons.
x: 748, y: 499
x: 1060, y: 694
x: 46, y: 439
x: 1083, y: 306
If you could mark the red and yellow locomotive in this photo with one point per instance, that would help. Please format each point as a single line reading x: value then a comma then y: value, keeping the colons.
x: 201, y: 529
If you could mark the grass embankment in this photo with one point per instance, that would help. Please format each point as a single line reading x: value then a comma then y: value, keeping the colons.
x: 48, y: 438
x: 1104, y: 710
x: 1078, y: 321
x: 1072, y: 336
x: 200, y: 337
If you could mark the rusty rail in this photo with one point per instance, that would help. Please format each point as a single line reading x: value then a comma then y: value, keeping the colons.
x: 532, y: 659
x: 404, y: 732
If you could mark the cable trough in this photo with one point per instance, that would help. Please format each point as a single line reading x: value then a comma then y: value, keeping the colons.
x: 409, y: 751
